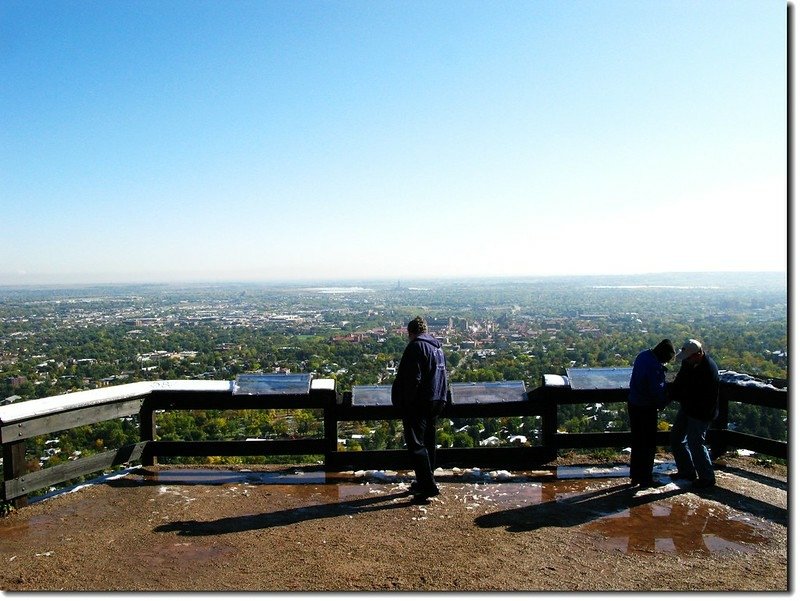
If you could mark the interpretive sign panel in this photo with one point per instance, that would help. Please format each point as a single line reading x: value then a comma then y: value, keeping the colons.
x: 272, y: 384
x: 472, y: 393
x: 599, y: 378
x: 463, y: 393
x: 372, y: 396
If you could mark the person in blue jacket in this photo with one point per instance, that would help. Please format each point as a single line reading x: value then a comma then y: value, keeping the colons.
x: 696, y: 387
x: 648, y: 395
x: 420, y: 391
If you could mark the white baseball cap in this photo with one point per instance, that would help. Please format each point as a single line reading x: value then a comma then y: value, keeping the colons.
x: 689, y: 348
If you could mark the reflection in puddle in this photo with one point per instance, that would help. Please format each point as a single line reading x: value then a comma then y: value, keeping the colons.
x: 201, y: 476
x: 568, y: 471
x: 348, y: 492
x: 675, y: 528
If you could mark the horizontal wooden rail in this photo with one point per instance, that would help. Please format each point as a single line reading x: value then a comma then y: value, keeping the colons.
x: 763, y: 396
x: 220, y: 400
x: 757, y: 444
x: 25, y: 484
x: 233, y: 448
x: 497, y: 457
x: 74, y: 418
x: 346, y: 413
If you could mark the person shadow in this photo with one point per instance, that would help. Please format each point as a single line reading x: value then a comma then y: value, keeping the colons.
x: 284, y: 517
x: 572, y: 511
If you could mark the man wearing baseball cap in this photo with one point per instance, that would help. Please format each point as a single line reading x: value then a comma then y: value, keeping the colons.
x: 696, y: 387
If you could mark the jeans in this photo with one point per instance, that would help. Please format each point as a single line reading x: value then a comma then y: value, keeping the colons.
x: 688, y: 438
x: 419, y: 430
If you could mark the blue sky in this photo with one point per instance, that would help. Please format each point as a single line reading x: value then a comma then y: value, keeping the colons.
x: 272, y: 140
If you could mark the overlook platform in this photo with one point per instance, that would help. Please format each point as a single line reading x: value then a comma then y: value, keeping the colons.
x: 532, y: 518
x: 563, y: 527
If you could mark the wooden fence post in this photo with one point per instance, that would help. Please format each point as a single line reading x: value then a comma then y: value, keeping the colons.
x: 549, y: 420
x: 719, y: 441
x: 14, y: 467
x: 147, y: 431
x: 324, y: 393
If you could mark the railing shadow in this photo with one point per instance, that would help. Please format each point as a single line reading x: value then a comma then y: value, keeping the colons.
x: 572, y: 511
x: 741, y: 502
x: 283, y: 517
x: 760, y: 478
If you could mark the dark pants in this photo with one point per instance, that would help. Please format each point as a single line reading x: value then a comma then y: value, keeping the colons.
x: 688, y: 439
x: 644, y: 425
x: 419, y: 430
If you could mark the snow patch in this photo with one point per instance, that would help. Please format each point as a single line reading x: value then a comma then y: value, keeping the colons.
x: 376, y: 475
x: 733, y: 377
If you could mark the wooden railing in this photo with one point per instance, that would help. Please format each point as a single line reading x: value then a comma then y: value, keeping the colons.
x: 20, y: 422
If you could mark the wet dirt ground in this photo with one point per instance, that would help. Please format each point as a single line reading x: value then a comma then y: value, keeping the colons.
x: 258, y: 528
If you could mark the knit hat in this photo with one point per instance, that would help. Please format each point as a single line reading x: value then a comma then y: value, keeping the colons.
x: 664, y: 350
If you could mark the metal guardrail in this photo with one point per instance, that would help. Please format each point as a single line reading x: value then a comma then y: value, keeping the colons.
x: 22, y: 421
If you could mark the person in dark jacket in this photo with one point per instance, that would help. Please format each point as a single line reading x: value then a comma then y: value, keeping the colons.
x: 696, y: 387
x: 648, y: 395
x: 420, y: 391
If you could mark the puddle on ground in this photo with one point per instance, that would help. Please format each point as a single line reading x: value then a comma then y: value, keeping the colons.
x: 45, y: 526
x: 677, y: 529
x: 204, y: 476
x: 564, y: 472
x: 597, y: 501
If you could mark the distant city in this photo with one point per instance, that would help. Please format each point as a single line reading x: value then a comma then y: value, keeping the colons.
x: 45, y: 333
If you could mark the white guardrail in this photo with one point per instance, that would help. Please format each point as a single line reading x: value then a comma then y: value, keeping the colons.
x: 87, y: 398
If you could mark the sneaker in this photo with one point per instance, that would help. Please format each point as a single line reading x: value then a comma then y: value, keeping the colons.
x: 646, y: 483
x: 703, y: 483
x: 678, y: 476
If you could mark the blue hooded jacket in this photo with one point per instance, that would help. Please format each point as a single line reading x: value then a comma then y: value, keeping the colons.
x: 422, y: 374
x: 648, y: 386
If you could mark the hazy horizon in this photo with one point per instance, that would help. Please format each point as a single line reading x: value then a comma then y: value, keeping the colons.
x: 697, y: 276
